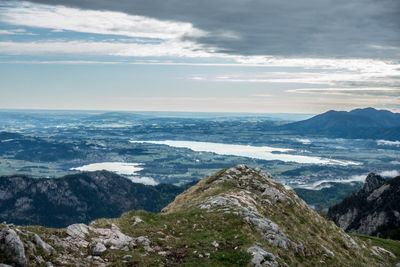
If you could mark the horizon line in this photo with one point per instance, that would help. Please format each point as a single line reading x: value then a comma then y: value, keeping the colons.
x: 151, y: 111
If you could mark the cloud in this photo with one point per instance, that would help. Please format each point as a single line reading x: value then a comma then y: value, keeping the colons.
x: 354, y: 178
x: 313, y: 28
x: 388, y: 143
x: 325, y: 183
x: 390, y: 174
x: 164, y: 49
x: 349, y: 91
x: 159, y: 37
x: 61, y: 18
x: 188, y: 33
x: 330, y: 77
x: 15, y: 32
x: 143, y: 180
x: 291, y: 47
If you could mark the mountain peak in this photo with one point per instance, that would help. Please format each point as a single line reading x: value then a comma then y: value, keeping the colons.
x: 238, y: 178
x: 374, y: 210
x: 372, y: 182
x: 365, y: 109
x: 363, y: 123
x: 241, y: 176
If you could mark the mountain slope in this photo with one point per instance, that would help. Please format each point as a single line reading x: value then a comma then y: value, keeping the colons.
x: 359, y: 123
x: 237, y: 217
x: 77, y: 198
x: 374, y: 210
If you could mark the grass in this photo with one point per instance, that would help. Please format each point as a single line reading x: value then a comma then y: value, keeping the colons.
x: 388, y: 244
x: 187, y: 238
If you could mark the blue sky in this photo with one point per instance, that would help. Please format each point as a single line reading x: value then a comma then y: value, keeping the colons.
x: 80, y: 55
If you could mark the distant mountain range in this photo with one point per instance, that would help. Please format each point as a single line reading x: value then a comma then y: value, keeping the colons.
x: 374, y: 210
x: 80, y: 197
x: 367, y: 123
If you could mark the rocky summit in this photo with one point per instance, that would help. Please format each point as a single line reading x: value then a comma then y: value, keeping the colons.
x: 374, y: 210
x: 236, y: 217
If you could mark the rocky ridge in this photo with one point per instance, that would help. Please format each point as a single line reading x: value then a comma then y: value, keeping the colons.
x: 237, y: 217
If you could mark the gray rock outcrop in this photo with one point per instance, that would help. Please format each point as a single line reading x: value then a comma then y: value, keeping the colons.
x: 261, y: 258
x: 374, y: 210
x: 12, y: 248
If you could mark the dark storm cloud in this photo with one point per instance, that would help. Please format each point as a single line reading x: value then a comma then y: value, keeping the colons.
x: 321, y: 28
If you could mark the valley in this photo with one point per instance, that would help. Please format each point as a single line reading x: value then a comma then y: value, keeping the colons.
x: 180, y: 148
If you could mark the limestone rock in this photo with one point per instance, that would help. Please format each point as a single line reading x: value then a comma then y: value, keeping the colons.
x: 262, y: 258
x: 43, y: 245
x: 145, y: 242
x: 12, y: 247
x: 98, y: 249
x: 113, y: 237
x: 78, y: 230
x: 137, y: 220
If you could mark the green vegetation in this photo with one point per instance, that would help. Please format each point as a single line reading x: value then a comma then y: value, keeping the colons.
x: 189, y: 238
x: 388, y: 244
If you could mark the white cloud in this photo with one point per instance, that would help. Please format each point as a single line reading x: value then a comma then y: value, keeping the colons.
x: 304, y: 141
x: 386, y: 74
x: 143, y: 180
x: 172, y: 37
x: 356, y: 64
x: 346, y: 91
x: 164, y: 49
x: 90, y: 21
x: 175, y: 34
x: 128, y: 170
x: 390, y: 174
x: 174, y: 40
x: 323, y: 183
x: 388, y: 143
x: 15, y: 32
x: 354, y: 178
x: 363, y: 78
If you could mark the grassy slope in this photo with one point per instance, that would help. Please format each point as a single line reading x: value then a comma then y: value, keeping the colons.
x: 187, y: 237
x: 388, y: 244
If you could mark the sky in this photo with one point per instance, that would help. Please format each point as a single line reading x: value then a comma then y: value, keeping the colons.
x: 258, y: 56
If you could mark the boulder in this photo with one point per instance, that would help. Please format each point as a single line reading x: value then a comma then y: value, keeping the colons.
x: 262, y: 258
x: 43, y: 245
x: 113, y: 237
x: 12, y: 248
x: 79, y: 230
x: 97, y: 249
